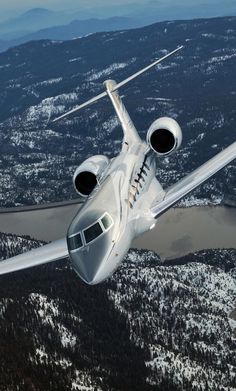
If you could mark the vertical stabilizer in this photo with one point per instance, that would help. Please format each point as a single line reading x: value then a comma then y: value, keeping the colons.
x: 130, y: 132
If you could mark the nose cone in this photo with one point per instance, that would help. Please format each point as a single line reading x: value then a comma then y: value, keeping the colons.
x: 87, y: 272
x: 90, y: 239
x: 90, y: 262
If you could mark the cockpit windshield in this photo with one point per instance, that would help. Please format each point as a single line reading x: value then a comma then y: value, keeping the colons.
x: 81, y: 239
x: 92, y: 232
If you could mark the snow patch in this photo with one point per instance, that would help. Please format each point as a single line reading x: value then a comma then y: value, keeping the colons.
x: 93, y: 75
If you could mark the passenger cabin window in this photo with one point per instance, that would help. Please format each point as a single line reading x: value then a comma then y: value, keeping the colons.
x: 75, y: 242
x: 92, y: 232
x: 106, y: 221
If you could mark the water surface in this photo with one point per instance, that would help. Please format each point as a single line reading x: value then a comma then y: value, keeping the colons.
x: 181, y: 231
x: 177, y: 232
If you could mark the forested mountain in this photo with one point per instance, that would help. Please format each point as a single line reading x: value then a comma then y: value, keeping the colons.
x: 152, y: 326
x: 40, y: 80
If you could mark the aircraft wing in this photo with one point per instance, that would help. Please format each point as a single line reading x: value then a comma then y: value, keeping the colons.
x: 49, y: 253
x: 193, y: 180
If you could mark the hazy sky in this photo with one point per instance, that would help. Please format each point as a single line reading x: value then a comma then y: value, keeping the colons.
x: 15, y: 7
x: 10, y: 7
x: 64, y: 4
x: 60, y: 4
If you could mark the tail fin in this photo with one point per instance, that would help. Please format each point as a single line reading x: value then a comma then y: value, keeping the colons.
x: 130, y: 132
x: 117, y: 86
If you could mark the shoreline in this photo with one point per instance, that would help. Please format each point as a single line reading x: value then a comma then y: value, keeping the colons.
x: 49, y: 205
x: 79, y: 201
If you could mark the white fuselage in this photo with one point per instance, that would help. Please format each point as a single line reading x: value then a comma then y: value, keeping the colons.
x: 125, y: 192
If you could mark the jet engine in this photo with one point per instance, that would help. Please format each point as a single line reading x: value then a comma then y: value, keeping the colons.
x: 164, y: 136
x: 87, y: 175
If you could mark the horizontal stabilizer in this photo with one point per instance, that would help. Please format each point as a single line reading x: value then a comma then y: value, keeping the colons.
x: 77, y: 108
x: 121, y: 84
x: 176, y: 192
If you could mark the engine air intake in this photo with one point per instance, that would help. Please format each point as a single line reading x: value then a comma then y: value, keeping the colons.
x: 164, y: 136
x: 85, y: 182
x: 89, y: 173
x: 162, y: 141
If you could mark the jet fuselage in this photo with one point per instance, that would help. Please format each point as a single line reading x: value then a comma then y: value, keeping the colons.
x: 117, y: 211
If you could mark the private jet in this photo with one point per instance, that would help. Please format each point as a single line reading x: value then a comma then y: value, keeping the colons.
x: 122, y: 196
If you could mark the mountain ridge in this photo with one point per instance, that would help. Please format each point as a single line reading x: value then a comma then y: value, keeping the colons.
x: 37, y: 11
x: 73, y: 30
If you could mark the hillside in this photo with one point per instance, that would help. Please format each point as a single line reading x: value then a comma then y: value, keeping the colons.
x: 150, y: 327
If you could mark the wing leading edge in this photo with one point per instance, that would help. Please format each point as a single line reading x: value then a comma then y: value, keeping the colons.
x: 193, y: 180
x: 49, y: 253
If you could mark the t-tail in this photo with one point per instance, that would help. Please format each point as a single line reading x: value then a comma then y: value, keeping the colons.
x: 116, y: 86
x: 130, y: 132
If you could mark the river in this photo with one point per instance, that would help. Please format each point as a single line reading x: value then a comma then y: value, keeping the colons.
x: 177, y: 232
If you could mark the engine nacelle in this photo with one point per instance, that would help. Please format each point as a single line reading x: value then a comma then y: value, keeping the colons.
x: 164, y: 136
x: 88, y: 174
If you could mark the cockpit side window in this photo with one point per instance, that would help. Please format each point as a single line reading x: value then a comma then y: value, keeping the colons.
x: 75, y: 242
x: 92, y: 232
x: 106, y: 221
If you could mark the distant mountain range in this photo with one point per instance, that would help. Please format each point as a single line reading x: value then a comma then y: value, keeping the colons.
x: 41, y: 23
x: 32, y: 20
x: 74, y: 29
